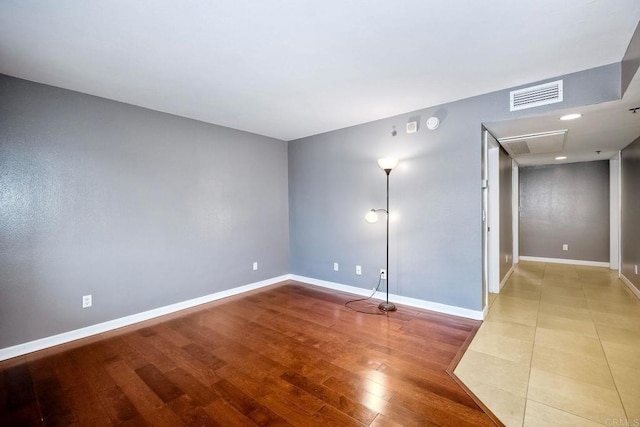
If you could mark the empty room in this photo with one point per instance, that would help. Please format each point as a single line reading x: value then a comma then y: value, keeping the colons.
x: 333, y: 214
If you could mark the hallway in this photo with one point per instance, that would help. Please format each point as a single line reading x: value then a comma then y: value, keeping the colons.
x: 560, y: 346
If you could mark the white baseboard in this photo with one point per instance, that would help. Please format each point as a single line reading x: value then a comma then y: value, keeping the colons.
x: 506, y: 277
x: 564, y: 261
x: 413, y: 302
x: 65, y: 337
x: 630, y: 285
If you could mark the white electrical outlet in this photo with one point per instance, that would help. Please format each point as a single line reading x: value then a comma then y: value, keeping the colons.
x: 383, y: 274
x: 358, y: 270
x: 255, y: 265
x: 565, y: 247
x: 86, y: 301
x: 636, y: 269
x: 336, y: 267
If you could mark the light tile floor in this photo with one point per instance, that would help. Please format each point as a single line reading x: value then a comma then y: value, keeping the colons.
x: 561, y: 347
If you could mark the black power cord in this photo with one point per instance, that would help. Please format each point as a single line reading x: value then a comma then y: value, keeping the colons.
x: 377, y: 312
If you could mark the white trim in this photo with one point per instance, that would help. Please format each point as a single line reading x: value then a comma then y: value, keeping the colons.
x: 564, y: 261
x: 630, y: 285
x: 485, y: 311
x: 506, y: 277
x: 413, y: 302
x: 515, y: 209
x: 485, y: 216
x: 618, y: 156
x: 65, y: 337
x: 494, y: 215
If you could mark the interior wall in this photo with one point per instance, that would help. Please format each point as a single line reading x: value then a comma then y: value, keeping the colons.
x: 631, y: 60
x: 506, y: 223
x: 630, y: 203
x: 138, y: 208
x: 436, y: 229
x: 565, y: 204
x: 614, y: 212
x: 143, y: 209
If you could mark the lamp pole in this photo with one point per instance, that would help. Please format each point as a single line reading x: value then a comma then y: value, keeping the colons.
x: 386, y: 164
x: 387, y: 306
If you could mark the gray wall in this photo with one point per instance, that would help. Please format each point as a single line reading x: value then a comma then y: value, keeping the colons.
x: 143, y: 209
x: 138, y: 208
x: 506, y: 219
x: 436, y: 240
x: 630, y: 204
x: 631, y: 60
x: 565, y: 203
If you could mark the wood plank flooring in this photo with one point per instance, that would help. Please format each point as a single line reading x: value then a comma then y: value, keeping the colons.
x: 290, y: 354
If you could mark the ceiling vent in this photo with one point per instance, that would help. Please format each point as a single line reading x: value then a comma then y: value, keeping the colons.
x: 519, y: 148
x: 535, y: 143
x: 535, y: 96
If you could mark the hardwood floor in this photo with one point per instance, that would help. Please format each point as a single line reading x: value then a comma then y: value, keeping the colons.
x: 290, y: 354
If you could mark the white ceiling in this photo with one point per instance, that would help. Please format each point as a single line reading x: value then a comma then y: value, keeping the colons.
x: 289, y: 69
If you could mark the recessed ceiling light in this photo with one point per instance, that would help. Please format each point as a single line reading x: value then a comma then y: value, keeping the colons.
x: 571, y: 116
x: 561, y: 158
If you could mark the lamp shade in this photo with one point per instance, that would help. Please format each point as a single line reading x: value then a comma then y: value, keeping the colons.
x: 371, y: 217
x: 387, y: 163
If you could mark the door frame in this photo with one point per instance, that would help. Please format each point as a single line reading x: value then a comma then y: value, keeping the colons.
x: 490, y: 216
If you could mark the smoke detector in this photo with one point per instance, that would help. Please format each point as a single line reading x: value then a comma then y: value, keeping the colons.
x: 433, y: 123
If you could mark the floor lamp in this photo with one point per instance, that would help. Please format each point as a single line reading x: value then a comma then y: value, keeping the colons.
x: 387, y: 165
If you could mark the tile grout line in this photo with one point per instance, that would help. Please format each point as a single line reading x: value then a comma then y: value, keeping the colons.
x: 533, y: 346
x: 606, y: 358
x: 531, y: 366
x: 498, y: 296
x: 581, y: 285
x: 531, y: 358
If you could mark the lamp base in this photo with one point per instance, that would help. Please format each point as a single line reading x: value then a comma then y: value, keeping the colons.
x: 387, y: 306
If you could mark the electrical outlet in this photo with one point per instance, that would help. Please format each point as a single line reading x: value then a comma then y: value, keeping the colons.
x: 565, y: 247
x: 255, y: 265
x: 336, y: 267
x: 358, y: 270
x: 86, y: 301
x: 506, y: 258
x: 636, y: 269
x: 383, y: 274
